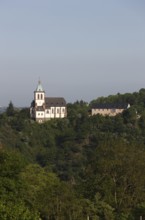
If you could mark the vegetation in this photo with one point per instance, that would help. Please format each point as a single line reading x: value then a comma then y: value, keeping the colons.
x: 79, y: 168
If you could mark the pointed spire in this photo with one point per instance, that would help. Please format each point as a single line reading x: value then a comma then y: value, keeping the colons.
x: 39, y: 87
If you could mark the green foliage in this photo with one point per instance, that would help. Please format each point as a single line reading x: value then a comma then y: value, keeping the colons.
x: 76, y: 168
x: 117, y: 174
x: 138, y: 212
x: 10, y: 111
x: 18, y: 211
x: 12, y: 188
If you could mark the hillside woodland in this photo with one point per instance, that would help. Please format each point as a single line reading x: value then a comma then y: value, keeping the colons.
x: 79, y: 168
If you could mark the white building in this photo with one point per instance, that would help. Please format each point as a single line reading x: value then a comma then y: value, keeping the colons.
x: 45, y: 108
x: 108, y: 108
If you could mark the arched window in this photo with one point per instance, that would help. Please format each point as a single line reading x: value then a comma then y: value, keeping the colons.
x: 41, y: 96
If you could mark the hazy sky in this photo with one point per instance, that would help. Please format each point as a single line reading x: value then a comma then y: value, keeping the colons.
x: 80, y: 49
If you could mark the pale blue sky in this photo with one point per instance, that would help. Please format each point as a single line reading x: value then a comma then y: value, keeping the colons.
x: 80, y: 49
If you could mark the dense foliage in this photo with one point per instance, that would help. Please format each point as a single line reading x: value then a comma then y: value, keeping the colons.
x: 81, y: 167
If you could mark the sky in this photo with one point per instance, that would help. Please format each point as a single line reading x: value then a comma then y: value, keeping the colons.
x: 79, y: 49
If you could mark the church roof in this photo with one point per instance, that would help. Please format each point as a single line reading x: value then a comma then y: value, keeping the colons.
x: 39, y: 87
x: 54, y: 102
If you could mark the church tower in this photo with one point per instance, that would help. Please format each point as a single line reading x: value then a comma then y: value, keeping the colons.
x: 39, y: 95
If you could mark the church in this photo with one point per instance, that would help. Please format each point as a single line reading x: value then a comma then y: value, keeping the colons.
x: 45, y: 108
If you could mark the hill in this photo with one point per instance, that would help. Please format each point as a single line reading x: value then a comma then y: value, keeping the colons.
x: 76, y: 168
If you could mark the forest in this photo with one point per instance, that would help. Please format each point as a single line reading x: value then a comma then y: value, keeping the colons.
x: 79, y: 168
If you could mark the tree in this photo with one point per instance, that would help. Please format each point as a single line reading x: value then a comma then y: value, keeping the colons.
x: 10, y: 111
x: 116, y: 172
x: 12, y: 188
x: 17, y: 211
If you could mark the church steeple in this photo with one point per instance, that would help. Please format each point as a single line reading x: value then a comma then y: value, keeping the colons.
x: 39, y: 95
x: 39, y: 87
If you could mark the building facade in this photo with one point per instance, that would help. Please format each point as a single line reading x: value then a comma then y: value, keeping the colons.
x: 45, y: 108
x: 108, y: 109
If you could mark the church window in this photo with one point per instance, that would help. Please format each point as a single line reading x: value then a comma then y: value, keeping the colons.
x: 41, y: 96
x: 38, y: 96
x: 58, y: 111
